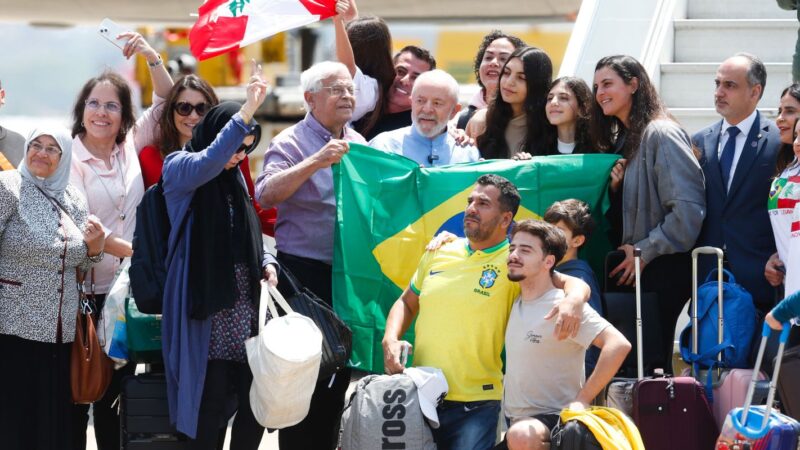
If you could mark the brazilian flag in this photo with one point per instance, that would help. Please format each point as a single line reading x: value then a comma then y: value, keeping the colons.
x: 388, y: 208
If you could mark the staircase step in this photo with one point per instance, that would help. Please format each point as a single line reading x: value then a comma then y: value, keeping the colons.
x: 737, y: 9
x: 691, y: 85
x: 772, y: 40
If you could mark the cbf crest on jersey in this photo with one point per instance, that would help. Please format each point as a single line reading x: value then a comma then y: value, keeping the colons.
x: 488, y: 276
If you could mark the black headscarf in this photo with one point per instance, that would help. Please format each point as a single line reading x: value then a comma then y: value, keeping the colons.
x: 225, y: 228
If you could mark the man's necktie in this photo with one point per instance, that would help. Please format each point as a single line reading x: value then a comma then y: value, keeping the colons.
x: 726, y: 159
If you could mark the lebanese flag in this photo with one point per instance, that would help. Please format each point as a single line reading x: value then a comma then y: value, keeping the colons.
x: 226, y: 25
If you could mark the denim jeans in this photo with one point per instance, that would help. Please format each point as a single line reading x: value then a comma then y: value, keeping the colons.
x: 467, y: 425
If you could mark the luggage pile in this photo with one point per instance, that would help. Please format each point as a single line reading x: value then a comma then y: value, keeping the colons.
x: 721, y: 401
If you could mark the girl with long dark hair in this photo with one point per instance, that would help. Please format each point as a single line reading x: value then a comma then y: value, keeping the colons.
x: 657, y: 189
x: 515, y: 125
x: 569, y: 111
x: 364, y: 45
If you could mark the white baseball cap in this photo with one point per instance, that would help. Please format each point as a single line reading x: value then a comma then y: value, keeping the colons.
x: 431, y: 390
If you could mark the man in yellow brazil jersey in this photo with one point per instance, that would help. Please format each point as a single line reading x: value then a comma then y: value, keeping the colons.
x: 461, y: 297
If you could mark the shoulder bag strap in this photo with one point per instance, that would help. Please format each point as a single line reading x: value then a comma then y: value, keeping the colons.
x: 5, y: 164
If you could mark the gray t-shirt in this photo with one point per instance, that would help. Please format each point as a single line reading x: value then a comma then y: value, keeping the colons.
x: 12, y: 145
x: 543, y: 374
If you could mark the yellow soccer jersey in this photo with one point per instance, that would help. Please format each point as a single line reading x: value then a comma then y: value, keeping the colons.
x: 465, y: 298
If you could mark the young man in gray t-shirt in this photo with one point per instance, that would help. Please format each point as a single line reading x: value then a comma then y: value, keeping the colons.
x: 545, y: 375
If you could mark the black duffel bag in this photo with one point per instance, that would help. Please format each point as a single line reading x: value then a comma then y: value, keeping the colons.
x: 337, y: 338
x: 573, y: 435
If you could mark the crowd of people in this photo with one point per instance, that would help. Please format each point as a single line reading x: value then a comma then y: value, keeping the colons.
x: 68, y: 204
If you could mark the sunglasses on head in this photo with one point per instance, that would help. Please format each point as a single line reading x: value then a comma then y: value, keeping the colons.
x: 185, y: 108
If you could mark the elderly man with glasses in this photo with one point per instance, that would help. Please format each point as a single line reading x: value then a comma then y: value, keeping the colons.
x: 298, y: 179
x: 434, y: 102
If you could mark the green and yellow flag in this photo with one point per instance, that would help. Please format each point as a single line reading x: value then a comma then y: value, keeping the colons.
x: 388, y: 208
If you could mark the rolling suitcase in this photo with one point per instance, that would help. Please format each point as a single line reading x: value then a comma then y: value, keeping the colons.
x: 789, y: 383
x: 664, y: 405
x: 619, y: 392
x: 661, y: 405
x: 144, y: 415
x: 760, y: 427
x: 619, y: 303
x: 727, y: 386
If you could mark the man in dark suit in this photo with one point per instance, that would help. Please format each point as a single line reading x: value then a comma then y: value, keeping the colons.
x: 738, y: 161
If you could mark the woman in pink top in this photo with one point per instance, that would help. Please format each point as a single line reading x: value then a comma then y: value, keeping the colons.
x: 105, y: 168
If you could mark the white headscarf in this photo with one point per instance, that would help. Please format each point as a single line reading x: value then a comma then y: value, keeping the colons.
x: 55, y: 184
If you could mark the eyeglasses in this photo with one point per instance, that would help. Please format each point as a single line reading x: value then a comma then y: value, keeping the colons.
x: 112, y: 107
x: 185, y: 108
x: 340, y: 90
x: 51, y: 150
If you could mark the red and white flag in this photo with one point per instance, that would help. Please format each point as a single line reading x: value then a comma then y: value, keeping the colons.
x: 226, y: 25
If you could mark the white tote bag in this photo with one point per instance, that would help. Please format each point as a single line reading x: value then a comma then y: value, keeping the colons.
x: 284, y: 358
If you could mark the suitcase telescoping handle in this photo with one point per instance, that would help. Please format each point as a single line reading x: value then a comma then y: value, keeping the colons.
x: 741, y: 425
x: 637, y: 270
x: 720, y: 318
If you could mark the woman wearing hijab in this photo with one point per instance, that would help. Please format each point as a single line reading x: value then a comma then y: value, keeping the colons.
x: 215, y: 262
x: 46, y: 233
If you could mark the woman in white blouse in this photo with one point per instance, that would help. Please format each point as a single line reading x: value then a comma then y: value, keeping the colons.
x: 105, y: 168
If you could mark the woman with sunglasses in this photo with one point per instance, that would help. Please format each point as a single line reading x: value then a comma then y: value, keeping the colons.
x: 214, y: 266
x: 105, y: 168
x: 186, y: 104
x: 46, y: 233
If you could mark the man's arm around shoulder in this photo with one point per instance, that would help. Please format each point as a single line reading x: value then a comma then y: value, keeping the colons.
x: 570, y: 309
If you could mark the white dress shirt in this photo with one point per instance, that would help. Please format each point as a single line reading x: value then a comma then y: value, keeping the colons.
x: 744, y: 130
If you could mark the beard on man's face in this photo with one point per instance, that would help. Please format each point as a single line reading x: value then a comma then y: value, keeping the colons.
x: 516, y: 276
x: 482, y: 231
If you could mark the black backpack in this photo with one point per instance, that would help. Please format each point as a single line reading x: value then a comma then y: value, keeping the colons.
x: 148, y: 271
x: 573, y: 435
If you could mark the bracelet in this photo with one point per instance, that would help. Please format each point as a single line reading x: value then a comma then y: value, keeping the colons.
x: 96, y: 258
x: 157, y: 63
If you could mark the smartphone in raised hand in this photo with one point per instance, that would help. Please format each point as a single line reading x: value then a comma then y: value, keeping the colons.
x: 109, y: 30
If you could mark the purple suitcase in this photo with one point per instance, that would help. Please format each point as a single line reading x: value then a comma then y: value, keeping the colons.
x: 760, y: 427
x: 673, y: 413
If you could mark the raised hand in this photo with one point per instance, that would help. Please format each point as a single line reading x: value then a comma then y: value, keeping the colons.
x: 256, y: 92
x: 138, y: 45
x: 346, y: 9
